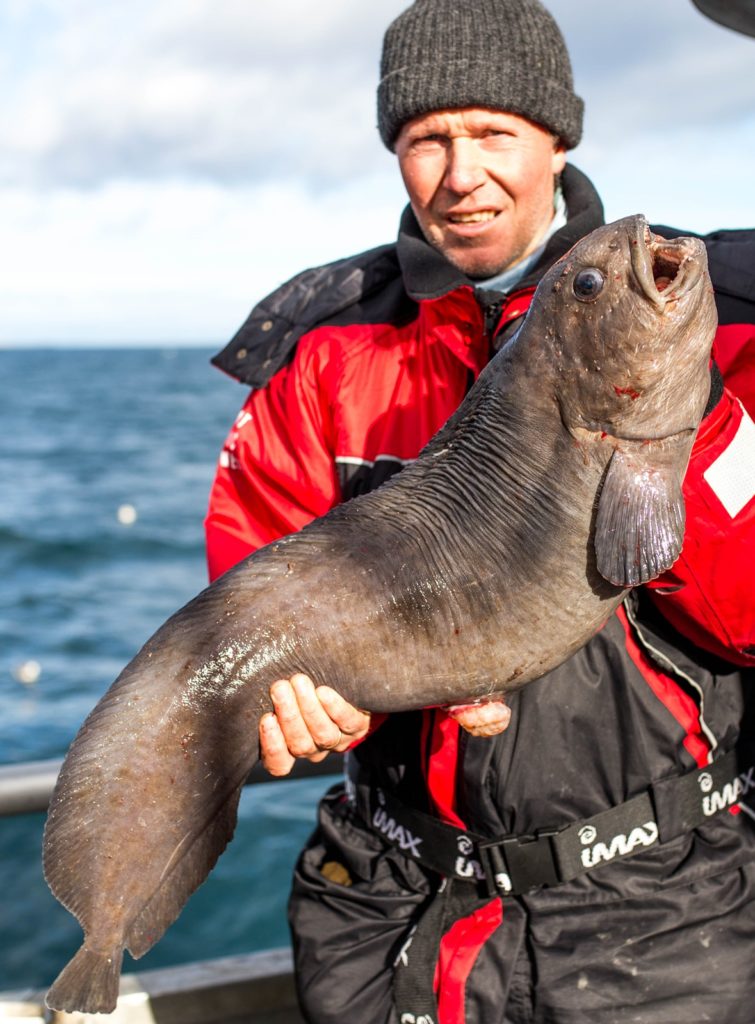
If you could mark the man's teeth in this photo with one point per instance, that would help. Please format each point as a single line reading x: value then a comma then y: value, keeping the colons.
x: 472, y: 218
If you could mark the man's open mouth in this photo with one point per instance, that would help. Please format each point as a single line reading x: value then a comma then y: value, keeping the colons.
x: 477, y: 217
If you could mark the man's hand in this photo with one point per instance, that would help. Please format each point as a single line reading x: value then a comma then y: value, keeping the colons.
x: 308, y: 722
x: 311, y: 721
x: 487, y: 718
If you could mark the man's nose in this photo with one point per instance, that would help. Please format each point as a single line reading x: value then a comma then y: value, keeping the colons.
x: 464, y: 168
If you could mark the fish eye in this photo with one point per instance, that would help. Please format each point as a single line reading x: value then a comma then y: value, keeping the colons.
x: 588, y: 284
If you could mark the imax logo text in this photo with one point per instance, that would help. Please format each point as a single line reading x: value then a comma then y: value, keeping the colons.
x: 620, y: 846
x: 396, y: 833
x: 730, y: 794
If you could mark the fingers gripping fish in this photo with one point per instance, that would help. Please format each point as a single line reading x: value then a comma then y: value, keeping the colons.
x: 553, y: 489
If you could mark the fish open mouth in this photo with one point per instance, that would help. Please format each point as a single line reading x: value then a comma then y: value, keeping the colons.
x: 666, y: 264
x: 666, y: 268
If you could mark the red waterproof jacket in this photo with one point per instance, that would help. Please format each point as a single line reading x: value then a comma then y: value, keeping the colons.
x: 709, y: 594
x: 367, y: 386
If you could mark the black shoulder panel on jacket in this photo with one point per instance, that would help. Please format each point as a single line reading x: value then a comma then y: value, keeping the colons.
x: 269, y: 335
x: 731, y: 260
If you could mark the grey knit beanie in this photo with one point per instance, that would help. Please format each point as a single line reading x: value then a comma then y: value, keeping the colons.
x: 506, y: 54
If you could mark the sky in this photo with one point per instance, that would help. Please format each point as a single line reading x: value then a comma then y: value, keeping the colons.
x: 166, y: 163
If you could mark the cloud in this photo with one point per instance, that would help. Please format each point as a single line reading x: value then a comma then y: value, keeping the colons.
x: 172, y: 261
x: 166, y: 162
x: 238, y: 92
x: 219, y: 90
x: 653, y: 67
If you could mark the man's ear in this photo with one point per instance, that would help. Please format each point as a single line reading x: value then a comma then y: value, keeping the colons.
x: 559, y: 157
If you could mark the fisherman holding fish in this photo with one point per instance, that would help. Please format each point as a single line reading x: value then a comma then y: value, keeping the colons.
x: 587, y: 853
x: 614, y: 879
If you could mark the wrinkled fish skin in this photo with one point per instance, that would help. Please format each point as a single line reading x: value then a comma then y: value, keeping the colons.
x: 500, y: 551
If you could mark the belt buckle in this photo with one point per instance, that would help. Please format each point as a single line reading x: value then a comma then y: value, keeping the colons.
x: 518, y: 864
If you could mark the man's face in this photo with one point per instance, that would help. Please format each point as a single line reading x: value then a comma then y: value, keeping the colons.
x: 480, y: 183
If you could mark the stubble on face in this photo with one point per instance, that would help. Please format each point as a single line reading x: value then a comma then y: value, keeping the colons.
x: 481, y: 184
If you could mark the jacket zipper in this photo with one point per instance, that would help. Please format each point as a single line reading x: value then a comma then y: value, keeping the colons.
x: 492, y: 314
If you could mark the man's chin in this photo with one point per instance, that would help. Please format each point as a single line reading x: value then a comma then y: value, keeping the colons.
x: 476, y: 260
x: 476, y: 266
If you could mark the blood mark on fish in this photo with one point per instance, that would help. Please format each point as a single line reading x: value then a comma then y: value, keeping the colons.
x: 631, y: 392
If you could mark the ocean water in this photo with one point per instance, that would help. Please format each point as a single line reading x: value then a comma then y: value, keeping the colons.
x: 83, y: 434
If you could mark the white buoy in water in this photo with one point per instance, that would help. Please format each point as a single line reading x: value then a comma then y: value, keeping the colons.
x: 28, y: 672
x: 126, y: 515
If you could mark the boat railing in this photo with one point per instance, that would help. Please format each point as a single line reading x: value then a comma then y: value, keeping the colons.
x: 26, y: 788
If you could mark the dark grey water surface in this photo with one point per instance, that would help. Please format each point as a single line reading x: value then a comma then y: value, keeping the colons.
x: 83, y: 433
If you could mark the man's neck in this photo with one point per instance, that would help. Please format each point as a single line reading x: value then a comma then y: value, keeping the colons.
x: 508, y: 278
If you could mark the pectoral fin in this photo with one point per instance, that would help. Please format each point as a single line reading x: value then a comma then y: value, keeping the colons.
x: 640, y: 522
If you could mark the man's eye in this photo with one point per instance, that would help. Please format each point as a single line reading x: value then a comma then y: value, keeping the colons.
x: 428, y: 143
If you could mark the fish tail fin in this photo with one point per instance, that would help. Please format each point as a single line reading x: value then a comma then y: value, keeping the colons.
x: 89, y: 983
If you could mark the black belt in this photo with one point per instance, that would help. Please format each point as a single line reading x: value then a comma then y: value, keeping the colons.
x: 511, y: 865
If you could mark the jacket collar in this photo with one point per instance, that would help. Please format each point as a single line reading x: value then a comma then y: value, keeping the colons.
x: 268, y: 337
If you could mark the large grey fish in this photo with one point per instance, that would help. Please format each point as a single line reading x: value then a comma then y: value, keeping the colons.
x: 500, y: 551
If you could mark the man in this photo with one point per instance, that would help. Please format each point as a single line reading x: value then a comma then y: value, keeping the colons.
x: 602, y: 889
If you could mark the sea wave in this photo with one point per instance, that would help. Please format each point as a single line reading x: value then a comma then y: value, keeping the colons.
x: 30, y: 549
